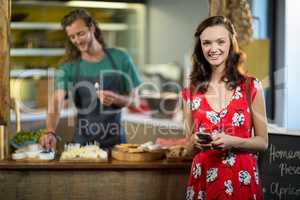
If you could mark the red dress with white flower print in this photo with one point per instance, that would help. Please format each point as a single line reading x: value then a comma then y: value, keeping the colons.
x: 223, y: 174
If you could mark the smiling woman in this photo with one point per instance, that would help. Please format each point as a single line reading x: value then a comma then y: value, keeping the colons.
x: 224, y: 103
x: 215, y: 44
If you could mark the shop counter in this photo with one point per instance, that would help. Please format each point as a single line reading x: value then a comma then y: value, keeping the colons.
x: 110, y: 181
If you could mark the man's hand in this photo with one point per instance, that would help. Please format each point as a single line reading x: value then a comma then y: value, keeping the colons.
x: 107, y: 97
x: 48, y: 141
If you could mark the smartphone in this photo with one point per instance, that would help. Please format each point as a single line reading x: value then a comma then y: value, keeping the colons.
x: 204, y: 136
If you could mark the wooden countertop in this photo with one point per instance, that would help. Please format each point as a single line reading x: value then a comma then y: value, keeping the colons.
x: 110, y: 165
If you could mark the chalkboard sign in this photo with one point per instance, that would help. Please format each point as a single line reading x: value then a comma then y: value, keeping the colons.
x: 280, y: 168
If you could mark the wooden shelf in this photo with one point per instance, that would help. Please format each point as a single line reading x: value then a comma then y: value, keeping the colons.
x: 18, y: 52
x: 57, y: 26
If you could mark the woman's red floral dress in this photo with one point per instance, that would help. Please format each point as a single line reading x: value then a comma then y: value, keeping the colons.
x: 223, y: 174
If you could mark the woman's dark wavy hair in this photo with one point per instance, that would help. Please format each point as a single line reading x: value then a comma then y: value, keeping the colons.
x: 71, y: 51
x: 202, y: 71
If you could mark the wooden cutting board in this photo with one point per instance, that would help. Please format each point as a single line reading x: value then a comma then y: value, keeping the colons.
x: 136, y: 157
x: 37, y: 160
x: 82, y: 160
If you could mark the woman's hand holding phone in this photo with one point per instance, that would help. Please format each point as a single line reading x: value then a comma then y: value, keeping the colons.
x: 203, y: 141
x: 206, y: 138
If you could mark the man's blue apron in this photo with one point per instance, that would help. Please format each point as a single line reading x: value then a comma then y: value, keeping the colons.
x: 96, y: 122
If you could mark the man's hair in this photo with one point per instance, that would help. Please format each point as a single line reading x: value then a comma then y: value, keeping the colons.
x: 71, y: 51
